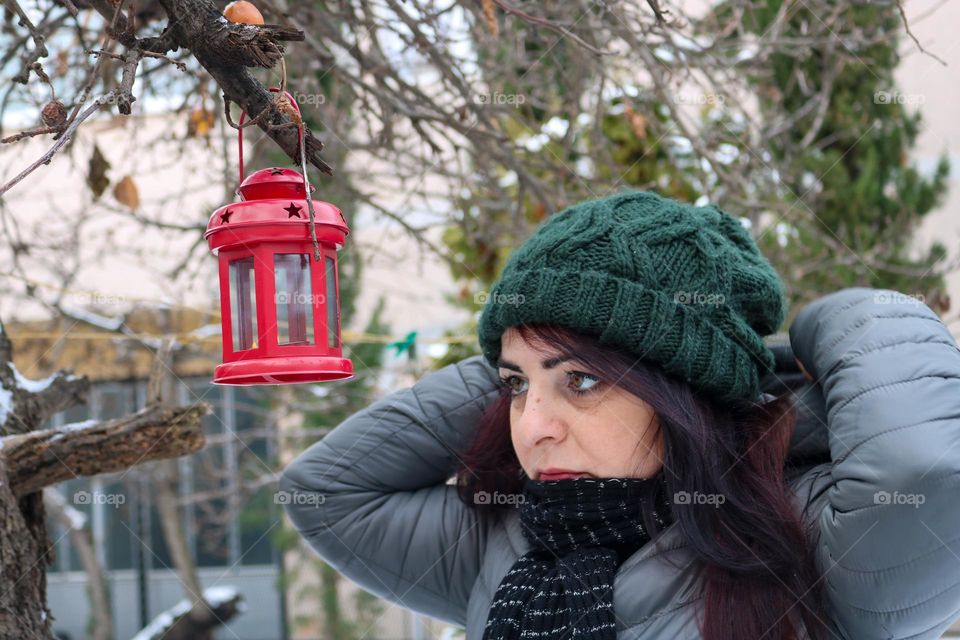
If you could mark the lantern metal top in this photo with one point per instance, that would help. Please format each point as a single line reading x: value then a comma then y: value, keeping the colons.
x: 273, y: 209
x: 270, y: 183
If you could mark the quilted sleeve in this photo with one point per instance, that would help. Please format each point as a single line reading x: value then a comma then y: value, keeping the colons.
x: 371, y: 497
x: 889, y: 535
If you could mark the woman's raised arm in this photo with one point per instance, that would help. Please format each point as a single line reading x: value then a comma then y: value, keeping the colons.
x: 370, y: 498
x: 890, y: 531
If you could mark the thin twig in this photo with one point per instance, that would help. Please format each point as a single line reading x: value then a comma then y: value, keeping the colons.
x: 550, y: 24
x: 33, y: 132
x: 309, y: 196
x: 62, y: 140
x: 906, y: 27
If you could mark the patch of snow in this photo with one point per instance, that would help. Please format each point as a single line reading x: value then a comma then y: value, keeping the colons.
x: 534, y: 143
x: 110, y: 324
x: 214, y: 596
x: 784, y: 232
x: 612, y: 91
x: 664, y: 54
x: 73, y: 426
x: 438, y: 349
x: 6, y: 404
x: 702, y: 201
x: 727, y: 153
x: 319, y: 390
x: 206, y: 331
x: 585, y: 167
x: 556, y: 127
x: 680, y: 144
x: 691, y: 44
x: 77, y: 426
x: 508, y: 179
x: 746, y: 53
x: 33, y: 386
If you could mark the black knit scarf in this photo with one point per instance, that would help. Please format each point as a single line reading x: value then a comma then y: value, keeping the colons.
x: 581, y: 530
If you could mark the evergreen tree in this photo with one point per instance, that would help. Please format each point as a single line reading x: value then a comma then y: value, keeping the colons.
x: 855, y: 198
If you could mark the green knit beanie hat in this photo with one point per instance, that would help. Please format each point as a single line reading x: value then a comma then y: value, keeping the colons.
x: 674, y: 284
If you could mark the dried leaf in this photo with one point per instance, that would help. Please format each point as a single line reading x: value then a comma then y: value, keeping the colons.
x: 63, y: 62
x: 637, y: 122
x: 490, y: 16
x: 200, y: 123
x: 126, y: 193
x: 97, y: 178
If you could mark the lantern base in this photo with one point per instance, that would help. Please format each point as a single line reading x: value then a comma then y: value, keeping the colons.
x: 283, y: 370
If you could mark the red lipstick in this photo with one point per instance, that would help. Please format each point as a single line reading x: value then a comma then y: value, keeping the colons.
x: 553, y: 473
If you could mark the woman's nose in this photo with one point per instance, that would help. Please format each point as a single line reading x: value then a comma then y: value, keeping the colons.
x: 539, y: 420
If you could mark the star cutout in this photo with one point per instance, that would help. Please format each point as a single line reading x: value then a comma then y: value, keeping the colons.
x: 225, y: 216
x: 276, y: 171
x: 293, y: 211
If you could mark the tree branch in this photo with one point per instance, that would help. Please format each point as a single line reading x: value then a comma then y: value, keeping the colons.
x: 40, y: 459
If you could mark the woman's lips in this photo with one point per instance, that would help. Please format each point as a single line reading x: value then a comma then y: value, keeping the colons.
x: 561, y: 476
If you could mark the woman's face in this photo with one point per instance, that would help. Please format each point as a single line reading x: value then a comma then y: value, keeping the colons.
x: 562, y: 417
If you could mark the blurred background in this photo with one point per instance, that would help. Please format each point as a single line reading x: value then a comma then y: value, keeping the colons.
x: 453, y: 129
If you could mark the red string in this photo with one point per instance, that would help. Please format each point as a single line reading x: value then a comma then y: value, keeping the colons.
x: 243, y: 115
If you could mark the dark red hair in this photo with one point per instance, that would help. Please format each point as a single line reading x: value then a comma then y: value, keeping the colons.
x: 760, y: 578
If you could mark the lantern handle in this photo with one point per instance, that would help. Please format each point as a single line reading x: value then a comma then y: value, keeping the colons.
x: 243, y: 114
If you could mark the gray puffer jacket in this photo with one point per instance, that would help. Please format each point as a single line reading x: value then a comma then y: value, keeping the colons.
x: 876, y: 451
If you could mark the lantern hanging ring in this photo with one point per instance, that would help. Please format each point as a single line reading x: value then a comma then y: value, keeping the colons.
x: 287, y: 104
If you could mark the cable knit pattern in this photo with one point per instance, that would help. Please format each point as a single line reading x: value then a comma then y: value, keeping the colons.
x: 682, y: 286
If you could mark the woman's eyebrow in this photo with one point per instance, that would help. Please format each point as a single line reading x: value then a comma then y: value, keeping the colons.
x: 549, y: 363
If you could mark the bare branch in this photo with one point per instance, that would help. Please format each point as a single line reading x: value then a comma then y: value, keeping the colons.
x: 39, y: 459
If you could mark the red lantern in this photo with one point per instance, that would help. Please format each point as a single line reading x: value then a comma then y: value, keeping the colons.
x: 279, y: 306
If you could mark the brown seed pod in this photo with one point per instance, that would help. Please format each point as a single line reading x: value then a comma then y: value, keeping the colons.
x: 54, y: 114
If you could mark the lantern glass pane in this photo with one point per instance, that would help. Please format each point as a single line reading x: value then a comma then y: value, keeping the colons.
x: 243, y: 304
x: 294, y: 298
x: 333, y: 305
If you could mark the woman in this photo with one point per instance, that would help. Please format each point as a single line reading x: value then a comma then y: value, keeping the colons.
x: 619, y: 472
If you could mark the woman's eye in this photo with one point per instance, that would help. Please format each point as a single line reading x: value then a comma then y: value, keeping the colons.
x: 582, y: 382
x: 514, y: 384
